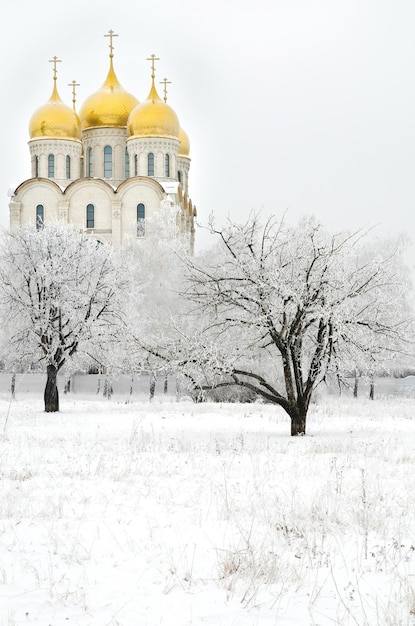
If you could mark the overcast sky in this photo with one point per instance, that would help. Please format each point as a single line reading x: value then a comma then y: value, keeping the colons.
x: 304, y: 106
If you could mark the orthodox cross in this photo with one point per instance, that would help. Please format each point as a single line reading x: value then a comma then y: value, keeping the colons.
x: 165, y: 82
x: 74, y: 84
x: 111, y: 34
x: 55, y: 60
x: 152, y: 59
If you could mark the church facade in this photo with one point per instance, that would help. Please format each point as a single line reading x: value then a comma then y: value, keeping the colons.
x: 109, y: 168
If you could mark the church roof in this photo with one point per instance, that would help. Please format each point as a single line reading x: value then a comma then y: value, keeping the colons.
x: 109, y: 106
x: 55, y: 120
x: 184, y: 145
x: 153, y: 118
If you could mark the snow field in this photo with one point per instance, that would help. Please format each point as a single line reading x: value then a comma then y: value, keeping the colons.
x: 130, y: 514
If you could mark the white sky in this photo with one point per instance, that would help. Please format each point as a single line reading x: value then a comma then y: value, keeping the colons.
x: 298, y: 105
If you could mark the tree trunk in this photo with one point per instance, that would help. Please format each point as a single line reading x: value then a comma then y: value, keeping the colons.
x: 67, y: 385
x: 13, y: 385
x: 356, y: 385
x: 152, y: 385
x: 298, y: 424
x: 108, y: 390
x: 51, y: 395
x: 131, y: 385
x: 372, y: 389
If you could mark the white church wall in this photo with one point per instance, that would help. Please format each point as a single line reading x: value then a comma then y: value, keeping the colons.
x: 92, y: 192
x: 130, y: 196
x: 60, y: 148
x: 183, y: 164
x: 97, y: 139
x: 159, y: 146
x: 39, y: 192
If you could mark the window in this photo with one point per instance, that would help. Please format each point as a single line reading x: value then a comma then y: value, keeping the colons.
x: 36, y: 167
x: 141, y: 211
x: 167, y: 165
x: 40, y: 214
x: 135, y: 165
x: 90, y: 216
x: 179, y: 176
x: 127, y: 164
x: 141, y: 215
x: 51, y: 166
x: 89, y: 170
x: 150, y: 160
x: 107, y: 162
x: 68, y: 166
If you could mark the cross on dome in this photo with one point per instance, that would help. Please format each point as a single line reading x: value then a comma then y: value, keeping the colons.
x: 55, y: 60
x: 153, y: 58
x: 111, y: 34
x: 74, y: 84
x: 165, y: 82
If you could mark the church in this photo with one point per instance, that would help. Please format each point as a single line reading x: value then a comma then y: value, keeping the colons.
x: 108, y: 168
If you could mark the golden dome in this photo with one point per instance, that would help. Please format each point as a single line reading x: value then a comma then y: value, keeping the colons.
x: 55, y: 120
x: 153, y: 118
x: 184, y: 145
x: 109, y: 106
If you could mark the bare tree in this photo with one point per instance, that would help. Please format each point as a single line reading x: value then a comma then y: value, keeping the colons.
x: 60, y: 296
x: 279, y: 307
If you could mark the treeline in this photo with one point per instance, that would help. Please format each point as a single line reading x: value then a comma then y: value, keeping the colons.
x: 270, y: 310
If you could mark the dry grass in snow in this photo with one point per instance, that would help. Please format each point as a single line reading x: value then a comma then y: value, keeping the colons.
x: 181, y: 514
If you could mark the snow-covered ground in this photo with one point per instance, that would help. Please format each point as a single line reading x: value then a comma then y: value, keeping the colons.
x: 172, y: 513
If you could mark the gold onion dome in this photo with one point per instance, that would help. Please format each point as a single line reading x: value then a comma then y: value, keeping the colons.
x: 55, y: 120
x: 153, y: 118
x: 109, y: 106
x: 184, y: 145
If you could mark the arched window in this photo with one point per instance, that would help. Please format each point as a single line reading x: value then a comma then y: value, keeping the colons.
x: 89, y: 165
x: 135, y: 165
x: 40, y: 217
x: 167, y: 165
x: 68, y: 166
x: 90, y: 216
x: 107, y: 162
x: 150, y: 161
x: 51, y: 166
x: 36, y: 167
x: 179, y: 176
x: 141, y: 211
x: 127, y: 164
x: 141, y: 216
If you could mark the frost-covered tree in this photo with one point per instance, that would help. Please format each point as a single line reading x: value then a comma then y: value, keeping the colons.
x: 155, y: 307
x: 60, y: 297
x: 279, y: 307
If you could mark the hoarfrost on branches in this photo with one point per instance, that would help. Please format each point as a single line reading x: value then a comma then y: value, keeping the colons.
x: 60, y: 297
x: 280, y: 307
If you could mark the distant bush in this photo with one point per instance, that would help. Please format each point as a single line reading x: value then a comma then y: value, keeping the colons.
x: 231, y: 394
